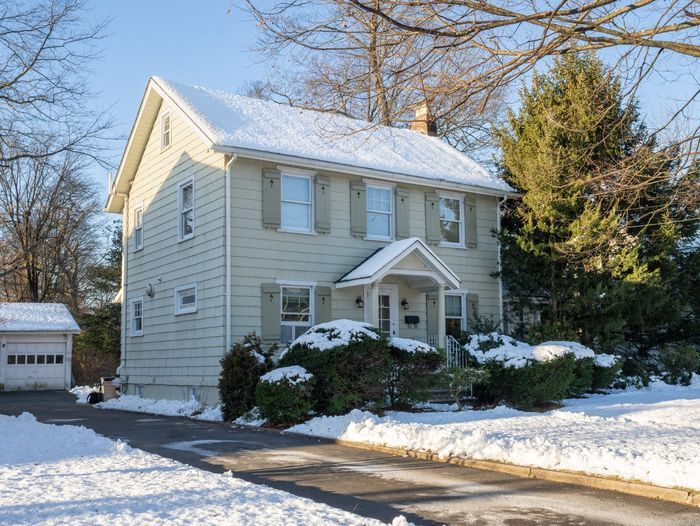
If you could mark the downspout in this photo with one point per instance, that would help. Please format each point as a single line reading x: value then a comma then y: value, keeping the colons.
x: 498, y: 262
x: 227, y: 251
x: 125, y: 242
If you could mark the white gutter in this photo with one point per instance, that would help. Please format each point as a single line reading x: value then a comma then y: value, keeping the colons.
x: 363, y: 172
x: 498, y: 262
x: 125, y: 306
x: 227, y: 256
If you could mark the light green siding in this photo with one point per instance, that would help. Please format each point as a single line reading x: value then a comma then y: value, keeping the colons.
x: 176, y: 351
x: 263, y: 256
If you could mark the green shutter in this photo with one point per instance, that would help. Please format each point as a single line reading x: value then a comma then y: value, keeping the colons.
x: 431, y: 314
x: 432, y: 219
x: 472, y: 309
x: 271, y: 317
x: 323, y: 305
x: 271, y: 199
x: 322, y: 204
x: 358, y: 209
x: 470, y: 218
x: 402, y: 214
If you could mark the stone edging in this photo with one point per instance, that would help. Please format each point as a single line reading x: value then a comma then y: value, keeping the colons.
x: 641, y: 489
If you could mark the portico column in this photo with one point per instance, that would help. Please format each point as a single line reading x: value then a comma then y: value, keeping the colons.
x: 441, y: 315
x: 374, y: 304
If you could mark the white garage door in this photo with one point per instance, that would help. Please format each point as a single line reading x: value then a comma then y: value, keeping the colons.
x: 35, y: 365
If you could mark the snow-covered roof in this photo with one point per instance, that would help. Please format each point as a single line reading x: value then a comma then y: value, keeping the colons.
x: 235, y: 121
x: 36, y: 317
x: 386, y: 257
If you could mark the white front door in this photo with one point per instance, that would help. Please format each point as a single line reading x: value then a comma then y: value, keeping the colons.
x: 389, y: 309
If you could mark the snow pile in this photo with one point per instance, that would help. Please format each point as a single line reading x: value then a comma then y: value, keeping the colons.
x: 251, y: 418
x: 334, y: 333
x: 82, y: 391
x: 191, y: 407
x: 513, y: 353
x: 294, y: 374
x: 412, y: 346
x: 650, y: 435
x: 236, y: 121
x: 606, y: 360
x: 20, y: 317
x: 210, y: 414
x: 70, y: 475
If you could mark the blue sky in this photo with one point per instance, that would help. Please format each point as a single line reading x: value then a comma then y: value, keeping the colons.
x: 210, y: 43
x: 194, y: 42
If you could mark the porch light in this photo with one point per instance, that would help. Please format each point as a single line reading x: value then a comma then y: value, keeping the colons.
x: 404, y: 304
x: 359, y: 302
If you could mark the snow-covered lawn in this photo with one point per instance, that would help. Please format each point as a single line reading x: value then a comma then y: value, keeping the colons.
x: 650, y: 435
x: 70, y: 475
x: 189, y: 408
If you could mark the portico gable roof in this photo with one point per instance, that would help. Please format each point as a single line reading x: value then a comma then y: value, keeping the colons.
x: 387, y: 260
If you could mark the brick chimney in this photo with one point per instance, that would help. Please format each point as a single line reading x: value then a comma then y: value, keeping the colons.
x: 424, y: 122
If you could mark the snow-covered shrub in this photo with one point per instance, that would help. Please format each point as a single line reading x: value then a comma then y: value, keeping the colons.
x: 530, y: 385
x: 284, y: 395
x: 679, y: 363
x: 412, y: 372
x: 241, y: 368
x: 606, y: 369
x: 349, y: 361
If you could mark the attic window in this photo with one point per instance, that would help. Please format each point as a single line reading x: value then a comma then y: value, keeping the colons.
x: 165, y: 130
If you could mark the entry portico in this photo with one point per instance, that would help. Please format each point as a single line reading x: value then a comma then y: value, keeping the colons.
x: 417, y: 265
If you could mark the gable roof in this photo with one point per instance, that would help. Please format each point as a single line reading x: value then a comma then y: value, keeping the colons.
x: 36, y: 317
x: 384, y: 259
x: 257, y: 128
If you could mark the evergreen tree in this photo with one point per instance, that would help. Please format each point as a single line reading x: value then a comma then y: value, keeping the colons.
x: 96, y: 350
x: 595, y: 236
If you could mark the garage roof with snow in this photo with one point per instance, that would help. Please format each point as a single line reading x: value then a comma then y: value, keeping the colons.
x: 36, y: 317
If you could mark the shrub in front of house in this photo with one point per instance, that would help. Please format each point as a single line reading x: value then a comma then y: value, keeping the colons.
x: 284, y: 395
x: 529, y: 386
x: 241, y: 369
x: 349, y: 361
x: 606, y: 369
x: 413, y: 371
x: 582, y: 381
x: 679, y: 362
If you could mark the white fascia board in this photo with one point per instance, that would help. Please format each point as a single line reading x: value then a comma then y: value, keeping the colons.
x: 359, y: 171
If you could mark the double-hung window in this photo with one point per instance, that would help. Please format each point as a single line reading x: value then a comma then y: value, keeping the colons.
x: 136, y: 317
x: 451, y: 221
x: 186, y: 210
x: 138, y: 228
x: 186, y: 299
x: 455, y: 321
x: 380, y: 212
x: 165, y: 131
x: 296, y: 203
x: 296, y: 311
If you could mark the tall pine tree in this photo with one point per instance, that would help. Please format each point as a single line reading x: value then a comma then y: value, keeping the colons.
x: 594, y: 238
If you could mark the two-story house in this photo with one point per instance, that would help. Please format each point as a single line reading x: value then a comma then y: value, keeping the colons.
x: 245, y: 215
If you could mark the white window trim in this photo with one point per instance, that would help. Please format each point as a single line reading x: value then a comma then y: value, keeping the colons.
x: 459, y: 198
x: 133, y: 332
x: 463, y: 296
x: 165, y: 114
x: 137, y: 208
x: 180, y: 210
x: 310, y: 179
x: 392, y: 213
x: 186, y: 310
x: 312, y: 302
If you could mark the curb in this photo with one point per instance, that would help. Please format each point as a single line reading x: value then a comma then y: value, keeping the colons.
x: 640, y: 489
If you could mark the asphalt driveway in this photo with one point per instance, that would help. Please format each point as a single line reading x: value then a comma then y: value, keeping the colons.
x: 364, y: 482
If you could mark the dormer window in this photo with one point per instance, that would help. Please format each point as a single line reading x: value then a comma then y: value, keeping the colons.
x: 165, y: 134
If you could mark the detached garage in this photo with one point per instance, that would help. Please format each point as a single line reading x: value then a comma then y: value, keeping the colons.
x: 36, y: 341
